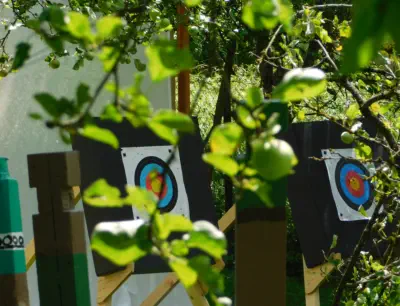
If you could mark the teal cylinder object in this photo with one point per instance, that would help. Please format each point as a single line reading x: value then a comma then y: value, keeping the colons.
x: 12, y: 253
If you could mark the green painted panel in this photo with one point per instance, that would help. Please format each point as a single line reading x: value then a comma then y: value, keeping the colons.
x: 12, y: 262
x: 67, y: 276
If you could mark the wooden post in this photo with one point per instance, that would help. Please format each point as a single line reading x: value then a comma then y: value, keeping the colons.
x: 59, y: 232
x: 261, y: 242
x: 183, y: 76
x: 13, y: 282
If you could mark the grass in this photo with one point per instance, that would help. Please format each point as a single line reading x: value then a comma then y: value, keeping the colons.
x: 295, y: 293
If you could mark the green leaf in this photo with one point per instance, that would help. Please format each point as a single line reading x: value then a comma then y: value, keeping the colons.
x: 300, y: 84
x: 363, y: 151
x: 78, y: 25
x: 21, y: 55
x: 121, y: 242
x: 164, y: 132
x: 102, y: 135
x: 207, y: 273
x: 353, y: 111
x: 108, y: 27
x: 54, y: 42
x: 179, y: 248
x: 54, y: 15
x: 376, y: 266
x: 261, y: 189
x: 168, y: 223
x: 254, y: 97
x: 334, y: 242
x: 367, y: 34
x: 166, y: 60
x: 363, y: 212
x: 35, y: 116
x: 265, y: 14
x: 54, y: 107
x: 192, y: 3
x: 139, y: 109
x: 109, y: 57
x: 142, y: 199
x: 226, y: 138
x: 82, y: 94
x: 245, y: 117
x: 139, y: 65
x: 272, y: 158
x: 174, y: 120
x: 186, y: 274
x: 110, y: 112
x: 206, y: 237
x: 101, y: 194
x: 222, y: 163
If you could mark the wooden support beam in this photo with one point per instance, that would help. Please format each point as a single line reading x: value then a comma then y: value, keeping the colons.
x: 107, y: 285
x: 314, y: 278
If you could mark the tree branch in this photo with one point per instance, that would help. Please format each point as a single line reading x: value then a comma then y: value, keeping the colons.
x: 382, y: 96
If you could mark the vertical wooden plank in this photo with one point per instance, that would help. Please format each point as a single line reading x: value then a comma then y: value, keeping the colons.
x: 183, y: 76
x: 60, y: 245
x: 261, y: 241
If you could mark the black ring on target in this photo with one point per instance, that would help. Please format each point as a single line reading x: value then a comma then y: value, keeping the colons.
x: 349, y: 173
x: 169, y: 195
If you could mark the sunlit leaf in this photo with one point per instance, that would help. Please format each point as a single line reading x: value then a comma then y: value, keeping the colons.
x: 192, y: 3
x: 353, y: 111
x: 121, y: 242
x: 187, y: 275
x: 179, y: 247
x: 110, y: 112
x: 206, y: 237
x: 108, y: 27
x: 166, y: 60
x: 245, y: 117
x: 78, y: 26
x: 168, y: 223
x: 254, y: 97
x: 226, y: 138
x: 99, y: 134
x: 142, y: 199
x: 101, y: 194
x: 174, y: 120
x: 265, y: 14
x: 222, y: 163
x: 300, y: 84
x: 164, y: 132
x: 109, y: 57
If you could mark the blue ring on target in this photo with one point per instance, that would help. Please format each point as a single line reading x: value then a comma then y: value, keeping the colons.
x: 343, y: 168
x: 145, y: 167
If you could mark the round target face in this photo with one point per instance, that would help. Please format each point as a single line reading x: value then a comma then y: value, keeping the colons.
x: 148, y: 175
x: 355, y: 190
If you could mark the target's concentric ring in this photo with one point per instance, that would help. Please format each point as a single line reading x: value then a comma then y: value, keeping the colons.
x: 148, y: 175
x: 355, y: 190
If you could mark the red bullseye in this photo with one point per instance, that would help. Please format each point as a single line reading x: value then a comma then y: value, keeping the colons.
x: 154, y: 182
x: 355, y: 184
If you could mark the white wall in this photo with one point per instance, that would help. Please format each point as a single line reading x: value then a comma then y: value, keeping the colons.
x: 20, y: 136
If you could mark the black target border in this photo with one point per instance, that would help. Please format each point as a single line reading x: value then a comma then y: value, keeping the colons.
x: 343, y: 161
x: 155, y: 160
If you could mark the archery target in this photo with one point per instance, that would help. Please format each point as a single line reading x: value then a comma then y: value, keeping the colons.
x: 144, y: 168
x: 350, y: 188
